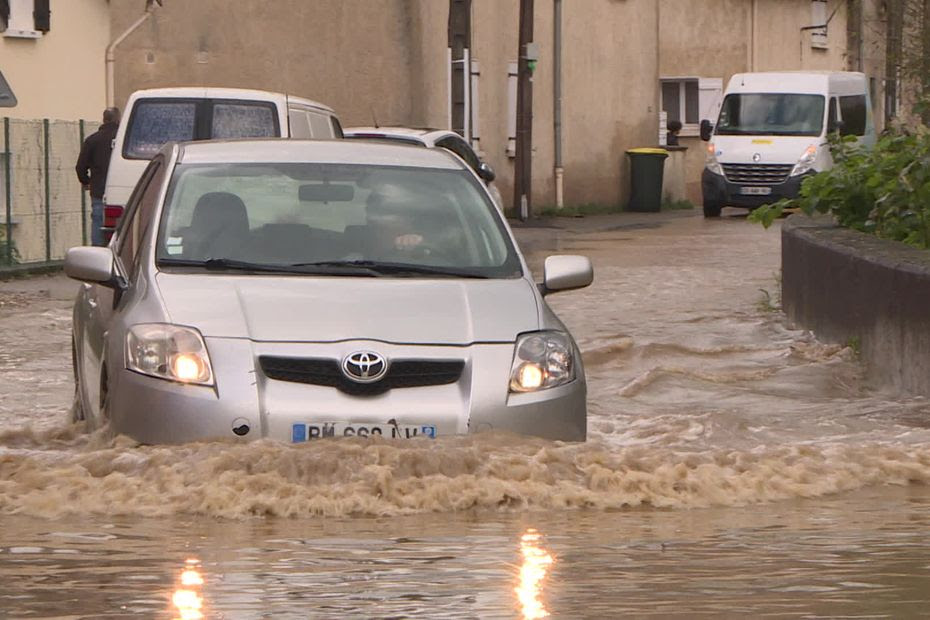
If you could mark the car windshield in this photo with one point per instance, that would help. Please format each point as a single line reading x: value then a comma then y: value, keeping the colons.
x: 771, y: 114
x: 341, y: 219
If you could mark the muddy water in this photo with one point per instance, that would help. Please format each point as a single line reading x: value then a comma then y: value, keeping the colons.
x: 734, y: 467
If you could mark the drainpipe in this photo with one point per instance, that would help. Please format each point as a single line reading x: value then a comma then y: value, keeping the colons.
x: 557, y: 102
x: 111, y: 48
x: 752, y: 37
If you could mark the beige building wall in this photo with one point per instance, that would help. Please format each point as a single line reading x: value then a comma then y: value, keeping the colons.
x: 718, y: 38
x: 60, y: 75
x: 386, y: 60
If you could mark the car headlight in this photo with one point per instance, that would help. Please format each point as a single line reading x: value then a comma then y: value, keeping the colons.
x: 711, y: 162
x: 542, y: 360
x: 806, y: 162
x: 168, y: 352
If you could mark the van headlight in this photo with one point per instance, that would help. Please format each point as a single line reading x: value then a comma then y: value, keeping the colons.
x: 542, y: 360
x: 711, y: 162
x: 168, y: 352
x: 807, y: 161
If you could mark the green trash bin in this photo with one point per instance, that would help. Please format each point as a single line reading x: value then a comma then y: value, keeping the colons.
x: 646, y: 168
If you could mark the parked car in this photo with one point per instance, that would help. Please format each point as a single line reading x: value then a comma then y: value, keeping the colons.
x: 433, y: 138
x: 157, y: 116
x: 772, y: 131
x: 298, y: 289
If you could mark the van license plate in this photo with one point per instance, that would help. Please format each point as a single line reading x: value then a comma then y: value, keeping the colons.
x: 755, y: 191
x: 321, y: 430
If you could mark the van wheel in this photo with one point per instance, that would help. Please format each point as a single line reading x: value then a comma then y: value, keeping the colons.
x: 712, y: 210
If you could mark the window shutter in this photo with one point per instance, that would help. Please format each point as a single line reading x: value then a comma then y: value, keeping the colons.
x: 512, y: 109
x: 42, y: 14
x: 819, y: 18
x: 710, y: 97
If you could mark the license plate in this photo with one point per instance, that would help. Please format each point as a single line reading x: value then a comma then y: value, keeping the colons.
x: 755, y: 191
x: 322, y: 430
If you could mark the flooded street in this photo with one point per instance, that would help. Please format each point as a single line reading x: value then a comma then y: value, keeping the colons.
x: 733, y: 467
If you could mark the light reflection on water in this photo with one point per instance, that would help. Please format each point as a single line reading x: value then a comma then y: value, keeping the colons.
x: 187, y: 597
x: 536, y: 565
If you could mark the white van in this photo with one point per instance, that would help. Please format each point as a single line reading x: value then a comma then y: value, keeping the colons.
x: 157, y: 116
x: 771, y: 134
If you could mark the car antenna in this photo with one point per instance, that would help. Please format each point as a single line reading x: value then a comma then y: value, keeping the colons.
x: 374, y: 118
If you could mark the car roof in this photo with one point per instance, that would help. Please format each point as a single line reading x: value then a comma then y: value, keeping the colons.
x: 201, y: 92
x: 427, y: 135
x: 277, y: 150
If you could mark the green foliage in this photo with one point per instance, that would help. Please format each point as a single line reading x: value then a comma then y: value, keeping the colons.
x: 884, y: 190
x: 578, y: 210
x: 6, y: 251
x: 675, y: 205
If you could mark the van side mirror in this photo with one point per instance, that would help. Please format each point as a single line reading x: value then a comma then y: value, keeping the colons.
x: 707, y: 130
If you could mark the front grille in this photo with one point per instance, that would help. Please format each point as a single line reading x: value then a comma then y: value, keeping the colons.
x: 328, y: 372
x: 757, y: 174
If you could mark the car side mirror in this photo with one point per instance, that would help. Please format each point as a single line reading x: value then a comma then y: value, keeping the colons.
x: 91, y: 264
x: 565, y: 273
x: 486, y: 172
x: 707, y: 130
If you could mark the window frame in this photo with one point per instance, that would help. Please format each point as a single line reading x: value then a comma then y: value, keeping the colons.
x: 154, y: 173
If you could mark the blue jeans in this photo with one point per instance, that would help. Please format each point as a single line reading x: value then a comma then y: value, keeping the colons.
x: 96, y: 222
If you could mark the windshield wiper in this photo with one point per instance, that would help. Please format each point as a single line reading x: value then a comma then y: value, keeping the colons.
x: 388, y: 268
x: 229, y: 264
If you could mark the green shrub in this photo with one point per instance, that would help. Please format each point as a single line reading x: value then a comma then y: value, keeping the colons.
x: 6, y: 251
x: 884, y: 190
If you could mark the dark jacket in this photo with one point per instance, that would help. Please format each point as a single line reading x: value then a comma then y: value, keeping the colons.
x: 95, y: 158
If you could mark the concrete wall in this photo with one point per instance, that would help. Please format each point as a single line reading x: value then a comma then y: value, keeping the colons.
x: 846, y: 286
x: 61, y: 74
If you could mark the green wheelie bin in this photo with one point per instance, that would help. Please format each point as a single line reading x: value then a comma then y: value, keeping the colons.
x: 646, y: 168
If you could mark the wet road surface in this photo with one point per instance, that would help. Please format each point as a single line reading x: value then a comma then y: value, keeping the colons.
x: 734, y: 467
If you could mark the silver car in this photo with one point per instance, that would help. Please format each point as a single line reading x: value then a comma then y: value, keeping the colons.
x: 303, y: 290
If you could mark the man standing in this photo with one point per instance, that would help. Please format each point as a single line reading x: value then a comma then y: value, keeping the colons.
x: 95, y: 160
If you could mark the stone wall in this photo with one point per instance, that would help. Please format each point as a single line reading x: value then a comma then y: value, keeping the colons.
x: 852, y: 288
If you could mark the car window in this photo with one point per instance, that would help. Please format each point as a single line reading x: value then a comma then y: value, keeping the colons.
x: 139, y: 214
x: 154, y: 123
x: 832, y: 117
x: 854, y: 112
x: 460, y: 148
x: 244, y: 120
x: 300, y: 125
x: 337, y: 127
x: 287, y: 214
x: 320, y: 126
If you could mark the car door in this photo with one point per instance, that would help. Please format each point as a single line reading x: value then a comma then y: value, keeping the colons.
x: 101, y: 302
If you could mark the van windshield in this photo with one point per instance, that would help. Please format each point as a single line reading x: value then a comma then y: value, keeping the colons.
x: 771, y: 114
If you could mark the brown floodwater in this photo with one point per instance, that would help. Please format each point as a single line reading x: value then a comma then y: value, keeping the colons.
x: 734, y: 467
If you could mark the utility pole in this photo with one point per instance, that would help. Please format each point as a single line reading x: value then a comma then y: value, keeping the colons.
x: 523, y: 164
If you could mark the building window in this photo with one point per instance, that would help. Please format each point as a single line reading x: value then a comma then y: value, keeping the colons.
x: 819, y: 18
x: 24, y: 18
x: 690, y: 100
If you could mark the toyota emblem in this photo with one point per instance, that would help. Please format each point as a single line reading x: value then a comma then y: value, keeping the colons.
x: 364, y: 367
x: 756, y: 157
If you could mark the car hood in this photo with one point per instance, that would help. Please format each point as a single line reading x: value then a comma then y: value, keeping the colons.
x: 762, y: 149
x: 330, y: 309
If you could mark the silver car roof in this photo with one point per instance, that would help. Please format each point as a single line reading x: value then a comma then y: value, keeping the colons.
x: 277, y: 150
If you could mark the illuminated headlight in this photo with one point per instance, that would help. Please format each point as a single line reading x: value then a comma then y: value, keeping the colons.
x: 168, y: 352
x: 711, y: 162
x: 806, y: 162
x: 542, y: 360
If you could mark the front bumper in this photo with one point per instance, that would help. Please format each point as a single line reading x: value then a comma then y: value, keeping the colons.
x: 155, y: 411
x: 717, y: 190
